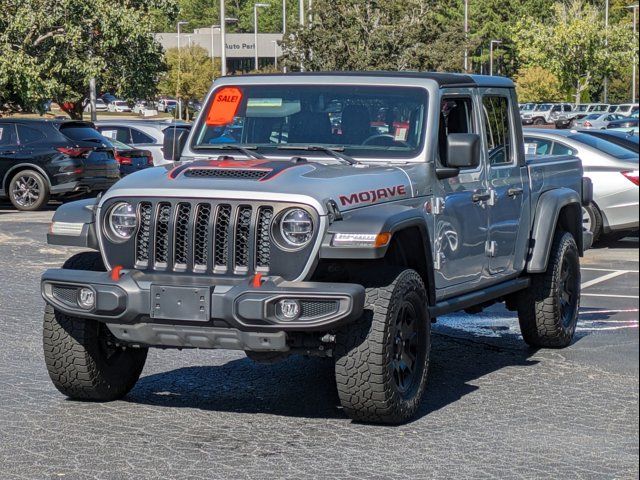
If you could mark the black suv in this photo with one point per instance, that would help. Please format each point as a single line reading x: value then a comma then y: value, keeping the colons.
x: 44, y: 158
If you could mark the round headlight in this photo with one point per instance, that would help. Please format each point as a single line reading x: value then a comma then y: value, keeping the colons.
x: 296, y: 227
x: 123, y: 221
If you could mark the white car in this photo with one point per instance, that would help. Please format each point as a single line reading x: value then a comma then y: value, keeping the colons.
x: 144, y: 134
x: 627, y: 108
x: 119, y: 106
x: 167, y: 105
x: 100, y: 106
x: 613, y: 170
x: 140, y: 106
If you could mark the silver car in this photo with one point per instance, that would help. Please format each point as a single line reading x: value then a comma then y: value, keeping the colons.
x: 597, y: 120
x: 145, y: 134
x: 612, y: 169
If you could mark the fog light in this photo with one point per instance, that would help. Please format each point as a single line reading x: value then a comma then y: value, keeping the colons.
x: 288, y: 309
x: 86, y: 298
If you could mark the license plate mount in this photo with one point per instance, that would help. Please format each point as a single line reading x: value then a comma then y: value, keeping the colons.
x: 187, y: 304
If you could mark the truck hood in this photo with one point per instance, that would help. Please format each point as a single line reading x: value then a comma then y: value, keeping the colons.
x: 316, y: 184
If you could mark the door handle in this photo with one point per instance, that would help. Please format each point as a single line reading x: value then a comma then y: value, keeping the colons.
x: 514, y: 192
x: 479, y: 196
x: 8, y: 152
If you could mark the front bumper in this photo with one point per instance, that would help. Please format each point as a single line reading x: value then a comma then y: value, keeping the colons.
x: 247, y: 305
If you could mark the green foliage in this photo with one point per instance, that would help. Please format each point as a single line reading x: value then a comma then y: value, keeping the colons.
x: 49, y: 49
x: 377, y: 35
x: 204, y: 13
x: 190, y: 73
x: 573, y: 46
x: 536, y: 84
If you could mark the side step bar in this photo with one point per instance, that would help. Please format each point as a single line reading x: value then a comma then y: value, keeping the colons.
x: 479, y: 297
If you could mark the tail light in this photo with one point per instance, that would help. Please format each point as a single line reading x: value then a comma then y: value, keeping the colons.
x: 632, y: 176
x: 121, y: 159
x: 587, y: 124
x: 149, y: 156
x: 75, y: 152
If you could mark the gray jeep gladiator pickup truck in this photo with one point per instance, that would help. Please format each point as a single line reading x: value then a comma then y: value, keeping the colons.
x: 334, y: 215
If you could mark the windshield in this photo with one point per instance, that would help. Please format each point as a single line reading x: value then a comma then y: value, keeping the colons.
x: 582, y: 108
x: 365, y: 121
x: 593, y: 116
x: 528, y: 107
x: 605, y: 146
x: 545, y: 107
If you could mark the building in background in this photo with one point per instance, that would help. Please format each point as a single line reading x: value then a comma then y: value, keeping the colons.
x: 240, y: 46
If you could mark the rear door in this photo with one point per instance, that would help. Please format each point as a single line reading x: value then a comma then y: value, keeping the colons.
x: 506, y: 179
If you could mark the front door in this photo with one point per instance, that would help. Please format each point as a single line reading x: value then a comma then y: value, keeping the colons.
x: 460, y: 211
x: 506, y: 174
x: 8, y: 148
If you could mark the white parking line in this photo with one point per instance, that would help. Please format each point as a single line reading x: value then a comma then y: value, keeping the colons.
x: 608, y: 296
x: 607, y: 270
x: 604, y: 278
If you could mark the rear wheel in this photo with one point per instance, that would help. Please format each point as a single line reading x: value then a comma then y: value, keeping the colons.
x: 548, y: 309
x: 539, y: 121
x: 83, y: 358
x: 28, y: 191
x: 382, y: 360
x: 592, y: 220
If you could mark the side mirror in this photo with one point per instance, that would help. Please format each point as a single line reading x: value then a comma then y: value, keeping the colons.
x: 463, y: 151
x: 175, y: 139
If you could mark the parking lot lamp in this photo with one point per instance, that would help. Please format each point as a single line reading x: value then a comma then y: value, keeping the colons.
x: 491, y: 44
x: 606, y: 49
x: 179, y: 24
x: 635, y: 59
x: 256, y: 6
x: 466, y: 35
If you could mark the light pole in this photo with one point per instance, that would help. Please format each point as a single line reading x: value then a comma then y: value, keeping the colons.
x: 606, y: 48
x: 466, y: 35
x: 223, y: 39
x: 275, y: 53
x: 179, y: 24
x: 256, y: 6
x: 635, y: 60
x: 491, y: 44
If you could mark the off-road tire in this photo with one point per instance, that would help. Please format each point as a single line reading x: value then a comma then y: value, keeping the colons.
x: 544, y: 321
x: 365, y: 353
x: 81, y: 359
x: 37, y: 183
x: 596, y: 227
x: 539, y: 121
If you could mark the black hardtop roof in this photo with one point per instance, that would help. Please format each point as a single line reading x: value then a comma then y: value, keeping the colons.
x: 443, y: 79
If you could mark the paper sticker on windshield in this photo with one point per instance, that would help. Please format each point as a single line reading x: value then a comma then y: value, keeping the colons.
x: 224, y: 106
x: 530, y: 148
x: 401, y: 134
x: 264, y: 102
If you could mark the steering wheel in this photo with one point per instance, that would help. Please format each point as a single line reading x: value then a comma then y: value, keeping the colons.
x: 389, y: 141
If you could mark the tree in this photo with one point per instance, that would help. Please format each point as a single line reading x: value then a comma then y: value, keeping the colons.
x: 376, y: 35
x: 536, y: 84
x: 50, y: 49
x: 190, y: 73
x: 572, y: 46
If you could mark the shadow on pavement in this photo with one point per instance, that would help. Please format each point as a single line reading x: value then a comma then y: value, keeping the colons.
x: 303, y: 387
x: 631, y: 241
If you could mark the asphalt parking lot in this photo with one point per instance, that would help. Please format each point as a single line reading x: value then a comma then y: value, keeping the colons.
x: 494, y: 408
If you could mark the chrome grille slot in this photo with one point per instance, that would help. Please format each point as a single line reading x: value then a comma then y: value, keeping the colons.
x: 201, y: 237
x: 181, y: 236
x: 163, y: 220
x: 221, y: 243
x: 263, y: 239
x: 242, y: 238
x: 143, y: 237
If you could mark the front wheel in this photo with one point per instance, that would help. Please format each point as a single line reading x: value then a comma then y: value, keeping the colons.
x: 28, y: 191
x: 382, y: 360
x: 539, y: 122
x: 84, y: 360
x: 548, y: 309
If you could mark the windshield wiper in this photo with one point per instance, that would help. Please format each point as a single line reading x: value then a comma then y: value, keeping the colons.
x: 246, y: 150
x: 335, y: 152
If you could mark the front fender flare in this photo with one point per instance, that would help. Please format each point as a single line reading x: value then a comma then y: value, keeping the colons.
x: 547, y: 216
x: 78, y: 212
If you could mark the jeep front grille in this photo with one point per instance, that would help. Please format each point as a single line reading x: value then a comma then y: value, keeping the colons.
x: 203, y: 237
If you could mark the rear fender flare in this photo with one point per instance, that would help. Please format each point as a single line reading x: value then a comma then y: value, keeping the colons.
x: 547, y: 217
